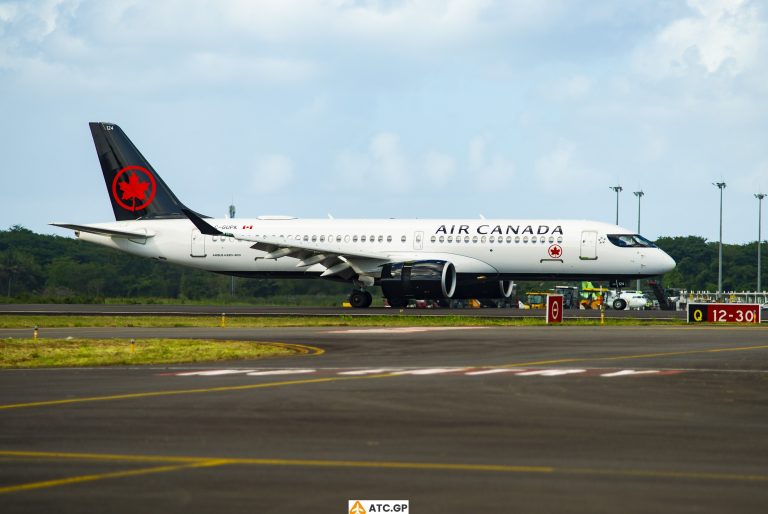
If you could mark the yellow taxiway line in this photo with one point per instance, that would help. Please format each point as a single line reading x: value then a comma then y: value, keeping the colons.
x: 174, y: 463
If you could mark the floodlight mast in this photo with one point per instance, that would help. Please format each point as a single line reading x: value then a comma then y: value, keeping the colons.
x: 720, y: 186
x: 618, y: 190
x: 759, y: 197
x: 639, y: 195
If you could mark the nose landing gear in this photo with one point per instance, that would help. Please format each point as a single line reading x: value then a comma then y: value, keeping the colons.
x: 360, y: 299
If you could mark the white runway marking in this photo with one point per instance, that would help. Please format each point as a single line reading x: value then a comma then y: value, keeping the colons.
x: 468, y: 371
x: 550, y: 372
x: 214, y: 372
x: 627, y: 372
x: 398, y: 330
x: 280, y: 372
x: 429, y: 371
x: 492, y: 371
x: 374, y: 371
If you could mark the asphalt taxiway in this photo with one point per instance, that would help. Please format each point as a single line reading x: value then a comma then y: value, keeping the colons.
x: 512, y: 419
x: 44, y: 310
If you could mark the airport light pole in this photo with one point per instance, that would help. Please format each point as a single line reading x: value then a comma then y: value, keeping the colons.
x: 232, y: 279
x: 720, y: 186
x: 618, y: 190
x: 639, y: 195
x: 759, y: 197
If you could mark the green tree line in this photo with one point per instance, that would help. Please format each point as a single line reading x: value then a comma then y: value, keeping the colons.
x: 45, y: 268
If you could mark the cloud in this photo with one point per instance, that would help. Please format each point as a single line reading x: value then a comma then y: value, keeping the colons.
x: 386, y: 164
x: 754, y: 180
x: 720, y: 36
x: 272, y: 173
x: 488, y: 170
x: 439, y: 168
x: 571, y: 88
x: 217, y: 67
x: 559, y: 171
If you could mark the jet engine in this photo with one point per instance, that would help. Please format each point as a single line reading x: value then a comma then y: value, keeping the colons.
x: 418, y: 279
x: 485, y: 289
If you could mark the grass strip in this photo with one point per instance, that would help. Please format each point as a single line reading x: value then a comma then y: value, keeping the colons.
x: 46, y: 353
x: 55, y: 321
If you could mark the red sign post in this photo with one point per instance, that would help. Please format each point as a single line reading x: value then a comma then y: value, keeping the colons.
x: 554, y: 308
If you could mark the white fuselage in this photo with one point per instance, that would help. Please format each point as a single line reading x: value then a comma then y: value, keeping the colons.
x: 513, y: 249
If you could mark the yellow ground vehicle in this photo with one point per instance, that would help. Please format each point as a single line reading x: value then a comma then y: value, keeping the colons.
x: 536, y: 300
x: 591, y: 297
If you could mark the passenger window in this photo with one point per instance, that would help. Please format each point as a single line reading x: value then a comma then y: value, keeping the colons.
x: 466, y: 239
x: 482, y: 239
x: 354, y: 239
x: 474, y: 239
x: 525, y: 239
x: 491, y: 239
x: 322, y: 239
x: 442, y: 239
x: 432, y: 239
x: 551, y: 239
x: 450, y: 239
x: 381, y: 239
x: 389, y: 239
x: 338, y: 239
x: 362, y: 239
x: 542, y: 240
x: 346, y: 239
x: 314, y: 238
x: 402, y: 239
x: 306, y: 238
x: 559, y: 239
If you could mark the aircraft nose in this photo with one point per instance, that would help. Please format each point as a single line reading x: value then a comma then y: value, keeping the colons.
x: 666, y: 263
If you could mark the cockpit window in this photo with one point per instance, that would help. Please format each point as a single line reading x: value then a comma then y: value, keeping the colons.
x: 630, y: 241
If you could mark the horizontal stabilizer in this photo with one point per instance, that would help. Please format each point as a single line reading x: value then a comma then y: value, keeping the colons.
x: 110, y: 232
x: 203, y: 226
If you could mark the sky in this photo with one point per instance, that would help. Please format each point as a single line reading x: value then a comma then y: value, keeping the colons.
x: 421, y: 108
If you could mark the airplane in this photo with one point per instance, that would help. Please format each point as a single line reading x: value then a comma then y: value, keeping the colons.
x: 436, y: 259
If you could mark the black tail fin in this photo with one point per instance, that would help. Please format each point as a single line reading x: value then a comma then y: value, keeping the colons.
x: 135, y: 189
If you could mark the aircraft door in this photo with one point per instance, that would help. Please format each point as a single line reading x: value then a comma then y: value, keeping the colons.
x: 198, y: 244
x: 418, y: 240
x: 588, y: 245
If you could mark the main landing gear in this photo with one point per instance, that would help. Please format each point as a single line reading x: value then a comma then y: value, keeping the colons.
x: 360, y: 299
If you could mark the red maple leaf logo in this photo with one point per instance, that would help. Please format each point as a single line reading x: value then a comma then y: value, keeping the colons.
x: 134, y: 188
x: 555, y: 251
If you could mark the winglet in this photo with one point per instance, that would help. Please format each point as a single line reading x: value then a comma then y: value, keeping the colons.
x: 202, y: 225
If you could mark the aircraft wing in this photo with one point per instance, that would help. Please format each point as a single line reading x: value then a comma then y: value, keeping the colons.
x: 337, y: 263
x: 102, y: 231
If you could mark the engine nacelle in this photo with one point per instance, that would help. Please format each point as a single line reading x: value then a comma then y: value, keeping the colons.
x: 485, y: 289
x: 418, y: 279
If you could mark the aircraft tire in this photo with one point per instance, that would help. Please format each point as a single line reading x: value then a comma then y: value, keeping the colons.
x: 619, y: 304
x: 360, y: 299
